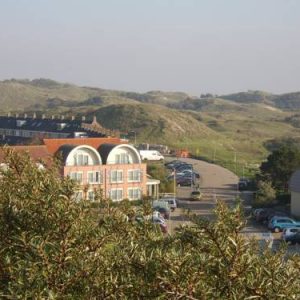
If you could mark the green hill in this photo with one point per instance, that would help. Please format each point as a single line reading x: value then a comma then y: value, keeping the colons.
x: 241, y: 125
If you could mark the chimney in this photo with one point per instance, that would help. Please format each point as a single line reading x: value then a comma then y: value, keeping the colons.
x: 9, y: 114
x: 43, y: 116
x: 17, y: 115
x: 94, y: 119
x: 73, y: 118
x: 83, y: 118
x: 52, y: 117
x: 25, y: 116
x: 34, y: 116
x: 62, y: 117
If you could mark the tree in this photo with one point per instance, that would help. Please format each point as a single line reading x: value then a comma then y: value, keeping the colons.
x: 280, y: 165
x: 265, y: 195
x: 52, y: 247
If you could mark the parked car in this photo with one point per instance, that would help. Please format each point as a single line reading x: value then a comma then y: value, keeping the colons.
x: 243, y: 184
x: 277, y: 224
x: 256, y: 211
x: 184, y: 181
x: 171, y: 201
x: 262, y: 215
x: 287, y: 232
x: 188, y: 172
x: 165, y: 212
x: 183, y: 167
x: 275, y: 214
x: 162, y: 207
x: 150, y: 155
x: 196, y: 195
x: 293, y: 239
x: 155, y: 218
x: 173, y: 163
x: 161, y: 223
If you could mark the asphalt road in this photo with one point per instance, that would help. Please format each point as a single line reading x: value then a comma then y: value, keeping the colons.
x: 219, y: 183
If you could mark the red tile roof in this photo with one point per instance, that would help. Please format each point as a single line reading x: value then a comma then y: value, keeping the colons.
x: 54, y: 144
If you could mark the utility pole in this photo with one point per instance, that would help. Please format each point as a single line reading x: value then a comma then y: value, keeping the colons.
x: 174, y: 171
x: 235, y: 161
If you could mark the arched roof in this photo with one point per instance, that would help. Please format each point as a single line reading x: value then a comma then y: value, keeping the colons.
x: 106, y: 150
x: 66, y: 150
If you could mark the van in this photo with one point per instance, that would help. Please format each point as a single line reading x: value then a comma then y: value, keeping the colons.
x: 150, y: 155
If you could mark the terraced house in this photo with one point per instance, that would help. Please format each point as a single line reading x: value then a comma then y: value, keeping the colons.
x: 107, y: 163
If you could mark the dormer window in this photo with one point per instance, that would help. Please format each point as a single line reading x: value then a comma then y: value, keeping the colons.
x: 61, y: 126
x: 20, y: 123
x: 81, y: 159
x: 122, y: 158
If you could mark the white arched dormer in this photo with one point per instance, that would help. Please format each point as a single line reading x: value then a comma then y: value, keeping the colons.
x: 123, y: 154
x: 83, y: 155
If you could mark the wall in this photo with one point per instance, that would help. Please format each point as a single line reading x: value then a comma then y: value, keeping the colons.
x: 105, y: 170
x: 295, y: 204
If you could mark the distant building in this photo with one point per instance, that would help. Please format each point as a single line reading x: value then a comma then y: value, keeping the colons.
x: 294, y: 187
x: 106, y: 163
x: 18, y: 129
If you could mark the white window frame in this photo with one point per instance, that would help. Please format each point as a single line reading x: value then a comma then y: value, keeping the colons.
x: 76, y: 176
x: 88, y: 195
x: 133, y: 171
x: 122, y: 158
x: 94, y: 181
x: 119, y: 194
x: 134, y: 196
x: 78, y: 196
x: 81, y: 159
x: 118, y: 179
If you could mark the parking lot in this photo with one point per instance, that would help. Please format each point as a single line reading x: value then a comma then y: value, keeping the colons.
x: 219, y: 183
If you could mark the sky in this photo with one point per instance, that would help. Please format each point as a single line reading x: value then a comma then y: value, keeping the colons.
x: 195, y: 46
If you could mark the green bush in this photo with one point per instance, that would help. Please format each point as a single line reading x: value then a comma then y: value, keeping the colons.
x: 52, y: 248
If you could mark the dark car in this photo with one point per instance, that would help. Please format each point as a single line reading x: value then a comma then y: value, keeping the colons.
x: 275, y: 214
x: 184, y: 181
x: 183, y: 167
x: 293, y: 239
x: 175, y: 164
x: 262, y: 215
x: 243, y: 184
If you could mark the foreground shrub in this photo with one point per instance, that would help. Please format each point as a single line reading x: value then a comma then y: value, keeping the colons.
x: 52, y: 247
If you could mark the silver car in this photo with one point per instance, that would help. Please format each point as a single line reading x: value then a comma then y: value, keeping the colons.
x: 289, y: 231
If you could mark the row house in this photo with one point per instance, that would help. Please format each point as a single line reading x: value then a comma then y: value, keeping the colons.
x: 22, y: 129
x: 108, y: 164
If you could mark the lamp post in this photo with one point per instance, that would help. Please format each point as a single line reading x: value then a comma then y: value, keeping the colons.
x: 174, y: 171
x: 133, y: 132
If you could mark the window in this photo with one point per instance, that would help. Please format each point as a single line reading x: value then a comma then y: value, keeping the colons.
x: 94, y: 177
x: 77, y: 176
x: 116, y: 176
x: 122, y: 158
x: 91, y: 195
x: 81, y: 160
x: 134, y: 193
x: 134, y: 175
x: 78, y: 196
x: 116, y: 194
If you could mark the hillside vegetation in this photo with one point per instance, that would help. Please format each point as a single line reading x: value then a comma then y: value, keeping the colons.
x: 236, y: 130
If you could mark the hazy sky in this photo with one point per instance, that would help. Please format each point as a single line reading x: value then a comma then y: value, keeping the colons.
x: 197, y: 46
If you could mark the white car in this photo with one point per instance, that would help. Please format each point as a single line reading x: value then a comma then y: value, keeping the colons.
x: 289, y: 231
x: 171, y: 201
